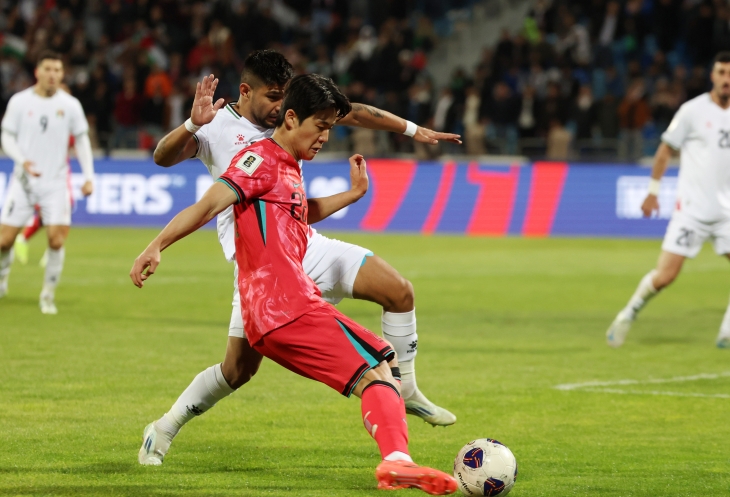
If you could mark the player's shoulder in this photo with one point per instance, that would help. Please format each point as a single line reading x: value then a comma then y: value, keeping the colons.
x: 700, y: 102
x: 21, y: 96
x: 258, y: 156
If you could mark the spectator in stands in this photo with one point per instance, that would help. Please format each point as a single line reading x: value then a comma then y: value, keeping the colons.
x: 634, y: 113
x: 583, y: 113
x: 474, y: 131
x: 127, y: 115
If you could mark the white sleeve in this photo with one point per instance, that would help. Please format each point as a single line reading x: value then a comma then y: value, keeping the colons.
x: 679, y: 129
x: 203, y: 153
x: 11, y: 119
x: 85, y: 156
x: 10, y: 146
x: 79, y: 125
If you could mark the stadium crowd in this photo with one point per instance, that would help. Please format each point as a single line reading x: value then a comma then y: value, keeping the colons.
x: 580, y: 71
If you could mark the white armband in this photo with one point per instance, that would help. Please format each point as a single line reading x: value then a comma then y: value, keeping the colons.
x: 411, y: 129
x: 191, y: 127
x: 654, y: 187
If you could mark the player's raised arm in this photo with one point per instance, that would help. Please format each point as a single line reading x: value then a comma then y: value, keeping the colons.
x: 661, y: 162
x: 179, y: 144
x: 322, y: 208
x: 215, y: 200
x: 367, y: 116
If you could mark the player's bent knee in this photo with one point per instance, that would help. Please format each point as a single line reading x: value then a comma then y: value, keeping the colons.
x: 402, y: 297
x: 239, y: 372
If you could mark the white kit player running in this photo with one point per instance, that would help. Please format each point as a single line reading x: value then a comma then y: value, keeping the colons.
x: 701, y: 131
x: 35, y: 134
x: 214, y: 134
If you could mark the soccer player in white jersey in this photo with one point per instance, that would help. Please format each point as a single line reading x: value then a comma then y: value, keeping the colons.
x: 35, y: 134
x: 214, y: 134
x: 701, y: 131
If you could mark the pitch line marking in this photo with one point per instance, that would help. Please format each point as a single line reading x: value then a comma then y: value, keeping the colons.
x: 595, y: 386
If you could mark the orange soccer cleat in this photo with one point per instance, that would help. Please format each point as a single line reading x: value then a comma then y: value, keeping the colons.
x: 393, y: 475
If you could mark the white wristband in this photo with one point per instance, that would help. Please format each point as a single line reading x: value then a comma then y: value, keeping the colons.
x: 654, y: 187
x: 190, y: 126
x: 411, y: 129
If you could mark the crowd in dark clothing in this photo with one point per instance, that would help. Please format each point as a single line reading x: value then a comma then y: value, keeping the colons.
x: 581, y: 70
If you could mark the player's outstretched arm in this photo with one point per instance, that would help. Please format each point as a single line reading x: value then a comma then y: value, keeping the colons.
x: 661, y: 162
x: 179, y: 144
x: 215, y: 200
x: 367, y: 116
x: 322, y: 208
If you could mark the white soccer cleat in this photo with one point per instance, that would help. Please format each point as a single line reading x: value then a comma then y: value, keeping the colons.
x: 47, y: 304
x: 723, y: 342
x: 618, y: 330
x: 419, y: 405
x: 154, y: 446
x: 21, y: 249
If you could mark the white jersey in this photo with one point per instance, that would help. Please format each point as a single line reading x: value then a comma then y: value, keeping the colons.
x: 42, y: 127
x: 701, y: 130
x: 218, y: 142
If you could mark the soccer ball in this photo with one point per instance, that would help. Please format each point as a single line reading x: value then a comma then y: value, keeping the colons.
x: 485, y: 467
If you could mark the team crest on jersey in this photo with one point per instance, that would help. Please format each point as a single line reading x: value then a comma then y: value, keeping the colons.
x: 240, y: 140
x: 60, y: 113
x: 249, y: 162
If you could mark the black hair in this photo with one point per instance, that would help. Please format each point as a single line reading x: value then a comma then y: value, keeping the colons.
x: 268, y: 67
x: 48, y: 55
x: 722, y: 58
x: 308, y: 94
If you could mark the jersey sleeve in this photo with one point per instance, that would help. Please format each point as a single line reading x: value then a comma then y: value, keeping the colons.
x: 11, y: 119
x: 250, y: 175
x: 679, y: 129
x: 201, y: 139
x: 79, y: 124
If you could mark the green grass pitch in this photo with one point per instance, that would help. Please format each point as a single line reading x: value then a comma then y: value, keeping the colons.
x: 501, y: 323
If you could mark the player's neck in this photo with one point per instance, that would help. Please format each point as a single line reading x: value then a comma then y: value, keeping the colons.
x: 723, y: 102
x: 42, y: 92
x: 246, y: 113
x: 280, y: 139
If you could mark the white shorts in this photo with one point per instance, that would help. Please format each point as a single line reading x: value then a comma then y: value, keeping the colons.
x: 685, y: 235
x: 332, y: 265
x: 54, y: 202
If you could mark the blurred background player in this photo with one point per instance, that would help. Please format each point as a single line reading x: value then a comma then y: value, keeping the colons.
x: 701, y: 131
x: 214, y: 134
x: 285, y: 317
x: 20, y: 247
x: 35, y: 135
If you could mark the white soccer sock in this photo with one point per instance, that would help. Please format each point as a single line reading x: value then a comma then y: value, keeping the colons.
x: 725, y: 326
x: 6, y: 260
x: 53, y: 269
x: 205, y: 390
x: 643, y: 294
x: 399, y: 328
x: 397, y: 455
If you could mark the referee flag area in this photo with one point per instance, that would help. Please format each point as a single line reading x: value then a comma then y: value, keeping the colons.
x: 511, y: 339
x: 535, y: 200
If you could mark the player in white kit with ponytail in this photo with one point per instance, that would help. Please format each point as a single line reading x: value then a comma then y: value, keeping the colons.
x: 214, y: 134
x: 35, y: 135
x: 701, y: 131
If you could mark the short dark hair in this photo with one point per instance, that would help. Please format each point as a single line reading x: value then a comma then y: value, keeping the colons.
x: 722, y: 58
x: 268, y: 67
x: 48, y: 55
x: 308, y: 94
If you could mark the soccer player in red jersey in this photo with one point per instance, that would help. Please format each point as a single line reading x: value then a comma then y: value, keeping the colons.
x: 284, y: 316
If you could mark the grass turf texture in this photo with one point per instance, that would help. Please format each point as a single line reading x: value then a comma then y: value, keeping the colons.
x: 501, y: 322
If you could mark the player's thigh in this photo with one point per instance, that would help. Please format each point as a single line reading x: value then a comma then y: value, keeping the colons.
x: 55, y: 206
x: 17, y: 210
x: 685, y: 236
x: 326, y: 346
x: 377, y: 281
x: 333, y: 265
x: 721, y: 238
x: 8, y: 234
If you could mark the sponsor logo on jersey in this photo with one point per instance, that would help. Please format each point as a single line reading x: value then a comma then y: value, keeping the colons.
x: 249, y: 162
